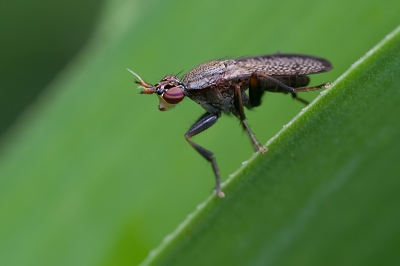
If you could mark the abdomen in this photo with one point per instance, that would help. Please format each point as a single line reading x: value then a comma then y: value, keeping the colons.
x: 292, y: 81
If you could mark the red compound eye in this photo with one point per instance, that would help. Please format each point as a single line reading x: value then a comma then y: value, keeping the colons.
x: 174, y: 95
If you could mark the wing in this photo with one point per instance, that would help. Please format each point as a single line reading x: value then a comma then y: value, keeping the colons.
x: 284, y: 64
x: 211, y: 72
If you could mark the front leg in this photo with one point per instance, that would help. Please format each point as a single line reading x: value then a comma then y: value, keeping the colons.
x: 203, y: 123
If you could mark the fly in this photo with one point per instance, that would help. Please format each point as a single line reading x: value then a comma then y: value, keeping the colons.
x: 219, y: 86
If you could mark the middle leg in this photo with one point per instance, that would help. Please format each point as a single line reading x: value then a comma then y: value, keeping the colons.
x: 240, y: 111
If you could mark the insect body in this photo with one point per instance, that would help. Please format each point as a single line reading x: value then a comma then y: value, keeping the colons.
x: 220, y: 86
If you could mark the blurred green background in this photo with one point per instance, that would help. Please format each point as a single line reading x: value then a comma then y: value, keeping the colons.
x: 91, y: 173
x: 38, y: 39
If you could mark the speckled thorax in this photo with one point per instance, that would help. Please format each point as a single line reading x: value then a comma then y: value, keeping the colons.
x: 219, y: 96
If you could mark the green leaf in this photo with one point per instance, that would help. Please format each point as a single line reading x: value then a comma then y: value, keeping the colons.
x: 327, y: 193
x: 93, y: 173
